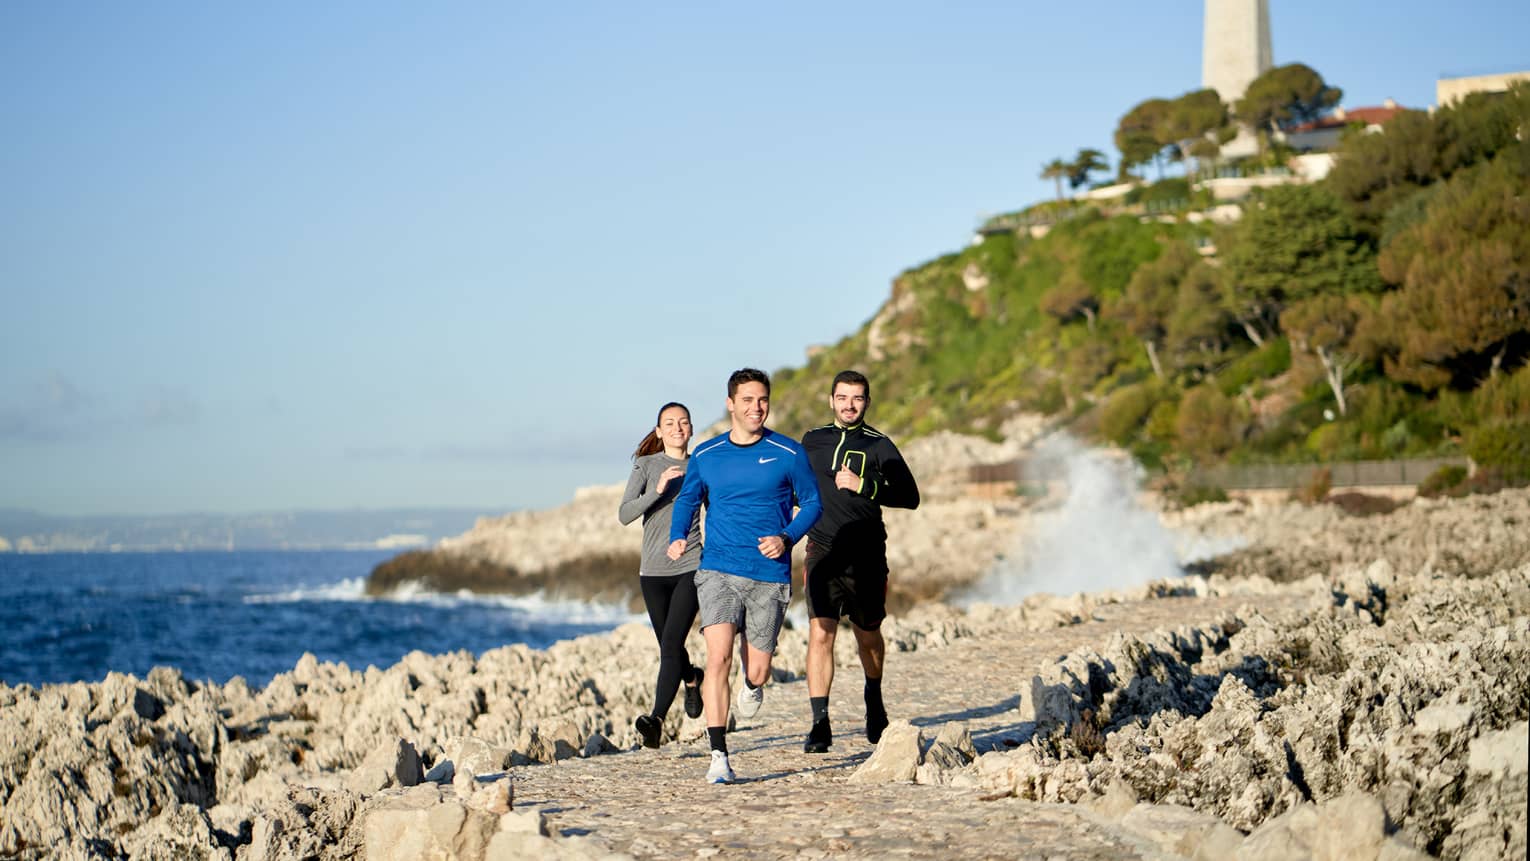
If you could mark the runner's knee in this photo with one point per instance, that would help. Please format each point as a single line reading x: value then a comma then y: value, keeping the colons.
x: 822, y: 631
x: 759, y: 670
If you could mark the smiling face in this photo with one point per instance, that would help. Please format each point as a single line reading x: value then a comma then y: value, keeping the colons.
x: 674, y: 429
x: 748, y: 407
x: 849, y: 403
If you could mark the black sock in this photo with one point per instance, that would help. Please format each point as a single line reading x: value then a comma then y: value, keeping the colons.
x: 750, y: 685
x: 873, y: 692
x: 820, y: 708
x: 718, y: 735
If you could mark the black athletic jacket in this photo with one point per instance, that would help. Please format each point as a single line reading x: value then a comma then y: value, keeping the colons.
x: 885, y: 481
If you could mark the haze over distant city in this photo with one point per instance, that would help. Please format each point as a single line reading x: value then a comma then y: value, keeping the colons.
x: 338, y: 256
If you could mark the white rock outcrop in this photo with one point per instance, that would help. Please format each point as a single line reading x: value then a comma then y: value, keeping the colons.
x: 1396, y: 684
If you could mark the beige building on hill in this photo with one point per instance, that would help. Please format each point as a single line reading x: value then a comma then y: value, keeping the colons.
x: 1447, y: 91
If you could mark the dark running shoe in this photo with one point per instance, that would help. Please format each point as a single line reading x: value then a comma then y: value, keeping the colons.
x: 649, y: 728
x: 818, y: 738
x: 876, y: 721
x: 693, y: 696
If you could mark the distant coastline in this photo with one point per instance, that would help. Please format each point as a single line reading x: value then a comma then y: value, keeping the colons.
x: 24, y: 531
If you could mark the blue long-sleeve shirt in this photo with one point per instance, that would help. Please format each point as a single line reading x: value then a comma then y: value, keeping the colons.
x: 748, y: 491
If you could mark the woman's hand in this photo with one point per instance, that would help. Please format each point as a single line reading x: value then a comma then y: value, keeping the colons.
x: 669, y: 475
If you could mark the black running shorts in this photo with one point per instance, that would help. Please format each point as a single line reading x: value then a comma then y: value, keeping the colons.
x: 849, y: 579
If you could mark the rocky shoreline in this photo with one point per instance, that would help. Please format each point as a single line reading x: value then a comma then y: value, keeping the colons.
x: 580, y: 551
x: 1372, y: 704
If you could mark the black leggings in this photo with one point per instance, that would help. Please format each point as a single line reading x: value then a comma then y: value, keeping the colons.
x: 672, y: 608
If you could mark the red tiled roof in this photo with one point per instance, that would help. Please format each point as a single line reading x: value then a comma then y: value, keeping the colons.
x: 1372, y: 116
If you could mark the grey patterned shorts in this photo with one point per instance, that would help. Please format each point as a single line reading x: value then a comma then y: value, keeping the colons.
x: 752, y: 606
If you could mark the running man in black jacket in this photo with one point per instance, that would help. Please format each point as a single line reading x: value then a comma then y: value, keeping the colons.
x: 859, y: 472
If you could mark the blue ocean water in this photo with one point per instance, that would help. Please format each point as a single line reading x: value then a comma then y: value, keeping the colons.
x: 68, y: 617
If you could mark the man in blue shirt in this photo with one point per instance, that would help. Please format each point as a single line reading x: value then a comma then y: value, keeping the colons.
x: 748, y: 479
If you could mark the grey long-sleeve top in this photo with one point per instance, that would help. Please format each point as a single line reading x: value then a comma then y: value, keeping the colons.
x: 640, y: 499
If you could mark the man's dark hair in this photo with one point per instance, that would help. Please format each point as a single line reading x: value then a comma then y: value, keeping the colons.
x: 747, y: 375
x: 854, y: 378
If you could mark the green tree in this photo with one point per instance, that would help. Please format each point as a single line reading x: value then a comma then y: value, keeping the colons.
x: 1376, y: 174
x: 1149, y: 300
x: 1464, y: 276
x: 1199, y: 328
x: 1056, y: 170
x: 1195, y: 125
x: 1208, y: 423
x: 1139, y: 134
x: 1325, y: 326
x: 1087, y: 161
x: 1071, y: 298
x: 1295, y: 241
x: 1283, y: 97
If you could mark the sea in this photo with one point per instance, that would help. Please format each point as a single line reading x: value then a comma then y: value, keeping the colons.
x: 69, y: 617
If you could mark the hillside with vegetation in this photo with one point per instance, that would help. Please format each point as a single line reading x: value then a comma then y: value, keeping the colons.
x: 1381, y: 312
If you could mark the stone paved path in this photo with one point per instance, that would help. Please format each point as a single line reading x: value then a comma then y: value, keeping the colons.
x: 788, y: 804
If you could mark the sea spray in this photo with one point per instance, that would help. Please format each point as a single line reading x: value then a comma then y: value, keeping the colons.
x: 1098, y: 537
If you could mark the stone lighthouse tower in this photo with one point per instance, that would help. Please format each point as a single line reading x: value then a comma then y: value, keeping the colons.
x: 1237, y: 46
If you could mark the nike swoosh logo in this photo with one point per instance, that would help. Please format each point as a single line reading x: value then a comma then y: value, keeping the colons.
x: 766, y: 459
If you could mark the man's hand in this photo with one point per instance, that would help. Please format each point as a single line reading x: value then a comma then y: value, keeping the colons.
x: 771, y: 546
x: 846, y: 479
x: 667, y: 476
x: 676, y: 548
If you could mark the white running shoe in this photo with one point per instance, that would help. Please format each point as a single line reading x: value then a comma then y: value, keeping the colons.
x: 720, y: 771
x: 749, y: 699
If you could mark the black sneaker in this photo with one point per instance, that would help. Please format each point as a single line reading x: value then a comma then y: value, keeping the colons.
x: 649, y: 728
x: 693, y: 696
x: 876, y: 721
x: 818, y: 738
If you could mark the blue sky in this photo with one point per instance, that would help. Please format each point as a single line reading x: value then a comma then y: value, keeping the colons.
x: 342, y: 255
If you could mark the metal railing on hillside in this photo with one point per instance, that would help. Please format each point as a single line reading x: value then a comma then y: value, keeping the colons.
x: 1353, y: 473
x: 1357, y: 473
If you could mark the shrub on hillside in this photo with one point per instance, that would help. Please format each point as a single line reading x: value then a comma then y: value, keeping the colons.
x: 1316, y: 488
x: 1160, y: 422
x: 1326, y: 440
x: 1448, y: 480
x: 1486, y: 480
x: 1265, y: 363
x: 1503, y: 396
x: 1209, y: 423
x: 1190, y: 495
x: 1175, y: 189
x: 1049, y: 398
x: 1503, y: 446
x: 1126, y: 410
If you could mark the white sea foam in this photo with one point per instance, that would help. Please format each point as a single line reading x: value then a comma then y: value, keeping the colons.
x: 536, y: 605
x: 349, y: 589
x: 1098, y: 538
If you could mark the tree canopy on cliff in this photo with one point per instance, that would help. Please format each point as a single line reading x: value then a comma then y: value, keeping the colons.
x: 1463, y: 304
x: 1396, y: 291
x: 1295, y: 242
x: 1286, y: 96
x: 1379, y: 176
